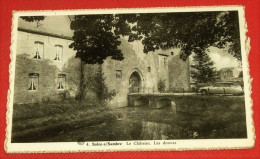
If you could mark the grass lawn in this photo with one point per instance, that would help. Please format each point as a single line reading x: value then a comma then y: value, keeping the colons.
x: 34, y: 121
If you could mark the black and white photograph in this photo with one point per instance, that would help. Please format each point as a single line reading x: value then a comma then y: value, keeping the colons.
x: 129, y: 80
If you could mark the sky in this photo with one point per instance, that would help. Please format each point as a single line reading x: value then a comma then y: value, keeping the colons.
x: 52, y: 24
x: 221, y: 58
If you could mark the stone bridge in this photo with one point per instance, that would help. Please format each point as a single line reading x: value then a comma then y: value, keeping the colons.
x: 155, y: 100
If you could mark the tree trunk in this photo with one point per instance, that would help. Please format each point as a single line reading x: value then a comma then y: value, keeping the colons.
x: 82, y: 85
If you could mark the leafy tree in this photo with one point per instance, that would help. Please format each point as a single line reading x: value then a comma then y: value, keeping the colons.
x: 190, y: 30
x: 202, y: 71
x: 32, y: 18
x: 94, y: 39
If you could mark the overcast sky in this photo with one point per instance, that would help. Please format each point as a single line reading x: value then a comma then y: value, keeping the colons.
x: 51, y: 24
x: 222, y: 59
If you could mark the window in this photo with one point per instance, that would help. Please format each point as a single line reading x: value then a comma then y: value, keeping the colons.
x: 33, y: 80
x: 61, y: 81
x: 149, y: 69
x: 58, y: 52
x: 38, y: 50
x: 118, y: 73
x: 164, y: 62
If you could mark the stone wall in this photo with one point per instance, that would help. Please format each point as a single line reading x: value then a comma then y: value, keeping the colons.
x: 176, y: 71
x: 179, y: 72
x: 47, y: 68
x: 151, y: 67
x: 134, y: 61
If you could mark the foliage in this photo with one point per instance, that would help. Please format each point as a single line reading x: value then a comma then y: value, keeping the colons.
x: 188, y: 30
x: 161, y: 86
x: 32, y: 18
x: 36, y: 19
x: 41, y: 121
x: 99, y: 86
x: 240, y: 74
x: 73, y: 68
x: 93, y: 38
x: 97, y: 36
x: 202, y: 71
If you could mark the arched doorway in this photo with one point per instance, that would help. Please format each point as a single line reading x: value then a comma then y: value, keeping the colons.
x: 135, y: 83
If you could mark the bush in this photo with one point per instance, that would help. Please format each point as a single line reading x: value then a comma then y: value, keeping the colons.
x: 161, y: 86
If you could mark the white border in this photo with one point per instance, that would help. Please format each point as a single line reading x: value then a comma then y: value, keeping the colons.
x: 188, y: 144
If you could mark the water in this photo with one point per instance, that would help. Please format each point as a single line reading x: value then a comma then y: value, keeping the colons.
x: 144, y: 123
x: 133, y: 123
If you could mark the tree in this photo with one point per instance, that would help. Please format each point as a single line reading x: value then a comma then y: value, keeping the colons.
x: 94, y: 41
x: 96, y: 37
x: 98, y: 85
x: 33, y: 19
x: 202, y: 71
x: 190, y: 30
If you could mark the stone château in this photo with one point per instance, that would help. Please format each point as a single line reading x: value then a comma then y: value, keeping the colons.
x: 46, y: 68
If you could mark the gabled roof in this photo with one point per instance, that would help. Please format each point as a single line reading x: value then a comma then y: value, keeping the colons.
x: 227, y: 69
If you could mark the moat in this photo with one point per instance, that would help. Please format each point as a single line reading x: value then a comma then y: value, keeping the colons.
x: 142, y: 123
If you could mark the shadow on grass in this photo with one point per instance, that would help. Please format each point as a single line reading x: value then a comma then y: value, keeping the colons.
x: 34, y: 122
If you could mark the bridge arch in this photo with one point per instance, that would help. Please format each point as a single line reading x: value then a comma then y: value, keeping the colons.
x: 163, y: 102
x: 135, y: 81
x: 142, y: 101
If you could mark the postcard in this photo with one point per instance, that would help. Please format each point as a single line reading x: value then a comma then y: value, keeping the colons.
x: 145, y: 79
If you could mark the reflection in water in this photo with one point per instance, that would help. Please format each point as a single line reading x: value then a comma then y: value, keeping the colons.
x: 133, y: 123
x: 143, y: 123
x: 153, y: 131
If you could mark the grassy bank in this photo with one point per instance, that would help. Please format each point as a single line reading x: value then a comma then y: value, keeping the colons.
x: 33, y: 122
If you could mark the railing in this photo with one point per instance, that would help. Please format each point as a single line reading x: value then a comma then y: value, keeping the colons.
x: 152, y: 90
x: 177, y: 91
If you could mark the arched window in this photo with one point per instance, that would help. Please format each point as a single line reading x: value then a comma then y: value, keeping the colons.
x: 38, y: 49
x: 61, y: 81
x: 58, y: 52
x: 33, y: 81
